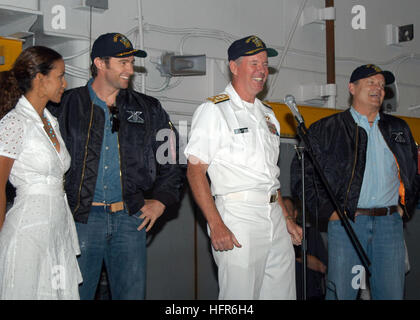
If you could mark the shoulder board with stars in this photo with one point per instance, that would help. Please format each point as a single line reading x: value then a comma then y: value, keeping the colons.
x: 266, y: 105
x: 219, y: 98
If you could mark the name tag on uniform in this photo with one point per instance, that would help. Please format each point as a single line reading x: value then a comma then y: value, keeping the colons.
x: 240, y: 130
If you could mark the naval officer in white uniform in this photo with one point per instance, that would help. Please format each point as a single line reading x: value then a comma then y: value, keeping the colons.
x: 235, y: 139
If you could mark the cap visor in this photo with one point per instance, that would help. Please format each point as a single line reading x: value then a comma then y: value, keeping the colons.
x: 140, y: 54
x: 271, y: 52
x: 134, y: 52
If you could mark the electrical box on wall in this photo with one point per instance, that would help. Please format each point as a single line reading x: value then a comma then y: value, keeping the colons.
x: 317, y: 15
x: 406, y: 33
x: 317, y: 94
x: 172, y: 65
x: 395, y: 35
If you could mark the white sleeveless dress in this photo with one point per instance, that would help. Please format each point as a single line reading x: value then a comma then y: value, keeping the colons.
x: 38, y: 240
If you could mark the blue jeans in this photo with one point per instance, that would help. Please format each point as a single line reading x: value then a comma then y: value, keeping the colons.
x: 382, y: 239
x: 113, y: 238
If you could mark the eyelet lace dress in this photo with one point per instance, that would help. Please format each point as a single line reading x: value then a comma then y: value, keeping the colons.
x: 38, y: 240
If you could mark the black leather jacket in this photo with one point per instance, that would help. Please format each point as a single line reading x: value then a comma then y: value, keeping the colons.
x: 339, y: 145
x: 82, y: 127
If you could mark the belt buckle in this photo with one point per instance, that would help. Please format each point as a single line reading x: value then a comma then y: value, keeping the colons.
x: 116, y: 206
x: 273, y: 198
x: 108, y: 208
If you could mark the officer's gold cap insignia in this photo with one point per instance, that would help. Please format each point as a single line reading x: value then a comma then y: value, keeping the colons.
x: 376, y: 68
x: 219, y: 98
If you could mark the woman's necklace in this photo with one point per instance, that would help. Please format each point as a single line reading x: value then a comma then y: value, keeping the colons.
x: 49, y: 130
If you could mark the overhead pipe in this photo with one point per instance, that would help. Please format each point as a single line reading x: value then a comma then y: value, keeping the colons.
x: 273, y: 82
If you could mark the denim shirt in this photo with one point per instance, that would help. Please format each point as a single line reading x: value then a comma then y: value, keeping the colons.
x: 380, y: 187
x: 108, y: 183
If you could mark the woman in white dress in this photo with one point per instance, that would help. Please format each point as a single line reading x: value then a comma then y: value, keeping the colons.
x: 38, y: 239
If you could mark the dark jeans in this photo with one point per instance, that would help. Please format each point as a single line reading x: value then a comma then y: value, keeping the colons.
x: 113, y: 238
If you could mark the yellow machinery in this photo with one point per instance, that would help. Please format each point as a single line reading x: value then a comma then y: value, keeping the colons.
x: 9, y: 51
x: 312, y: 114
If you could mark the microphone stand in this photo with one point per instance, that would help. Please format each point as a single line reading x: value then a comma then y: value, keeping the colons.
x: 303, y: 132
x: 301, y: 156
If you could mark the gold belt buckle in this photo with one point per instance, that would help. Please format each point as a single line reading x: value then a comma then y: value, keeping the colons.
x: 116, y: 206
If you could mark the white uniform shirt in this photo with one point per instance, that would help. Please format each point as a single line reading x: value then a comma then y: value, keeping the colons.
x: 240, y: 143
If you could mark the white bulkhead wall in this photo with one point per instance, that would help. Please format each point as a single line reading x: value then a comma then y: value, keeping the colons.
x: 208, y: 27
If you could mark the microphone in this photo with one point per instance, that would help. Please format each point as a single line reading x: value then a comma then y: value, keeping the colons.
x: 289, y: 100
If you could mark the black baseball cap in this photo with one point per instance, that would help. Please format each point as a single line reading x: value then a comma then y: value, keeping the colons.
x: 114, y: 45
x: 249, y: 46
x: 369, y: 70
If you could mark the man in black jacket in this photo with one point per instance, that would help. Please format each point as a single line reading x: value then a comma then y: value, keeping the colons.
x: 370, y: 162
x: 111, y: 134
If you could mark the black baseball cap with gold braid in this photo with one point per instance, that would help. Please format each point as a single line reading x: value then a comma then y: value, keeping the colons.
x: 368, y: 70
x: 114, y: 45
x: 249, y: 46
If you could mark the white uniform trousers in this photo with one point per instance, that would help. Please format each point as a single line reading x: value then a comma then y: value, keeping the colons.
x: 264, y: 267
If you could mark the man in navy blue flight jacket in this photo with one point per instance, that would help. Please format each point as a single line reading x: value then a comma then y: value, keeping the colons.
x: 111, y: 132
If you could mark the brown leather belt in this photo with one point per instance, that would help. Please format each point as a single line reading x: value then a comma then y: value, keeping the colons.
x: 114, y: 207
x: 376, y: 211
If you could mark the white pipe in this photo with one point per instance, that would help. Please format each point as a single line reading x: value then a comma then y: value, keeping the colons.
x: 412, y: 108
x: 80, y: 53
x: 331, y: 102
x: 286, y: 48
x: 211, y: 78
x: 162, y: 87
x: 141, y: 36
x: 187, y: 36
x: 221, y: 35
